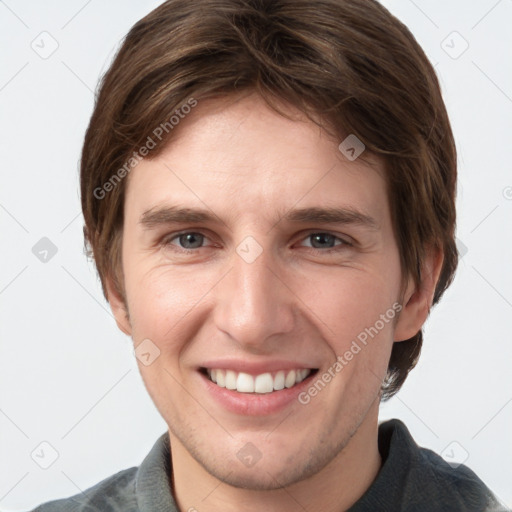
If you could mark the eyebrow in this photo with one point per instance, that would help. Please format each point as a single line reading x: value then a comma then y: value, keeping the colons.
x: 158, y: 216
x: 332, y: 216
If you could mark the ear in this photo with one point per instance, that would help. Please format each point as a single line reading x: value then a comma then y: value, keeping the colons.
x: 118, y: 307
x: 417, y: 301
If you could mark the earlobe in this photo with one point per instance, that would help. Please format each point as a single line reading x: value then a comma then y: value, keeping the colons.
x: 418, y: 300
x: 118, y: 307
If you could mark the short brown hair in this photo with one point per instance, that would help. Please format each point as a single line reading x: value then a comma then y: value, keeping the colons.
x: 349, y: 62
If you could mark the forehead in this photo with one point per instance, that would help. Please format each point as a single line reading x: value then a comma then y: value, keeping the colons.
x: 242, y: 157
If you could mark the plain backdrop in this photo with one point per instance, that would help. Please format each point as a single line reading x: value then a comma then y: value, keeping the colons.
x: 68, y: 377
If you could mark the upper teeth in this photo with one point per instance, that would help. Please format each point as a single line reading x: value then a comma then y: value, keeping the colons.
x: 263, y: 383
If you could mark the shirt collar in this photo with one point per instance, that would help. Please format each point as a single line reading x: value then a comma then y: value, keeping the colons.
x: 153, y: 480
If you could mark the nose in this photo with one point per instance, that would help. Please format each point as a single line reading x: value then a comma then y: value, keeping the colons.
x: 254, y: 304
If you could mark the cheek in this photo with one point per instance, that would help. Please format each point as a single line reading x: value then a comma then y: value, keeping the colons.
x: 358, y: 317
x: 161, y: 298
x: 349, y: 301
x: 357, y: 313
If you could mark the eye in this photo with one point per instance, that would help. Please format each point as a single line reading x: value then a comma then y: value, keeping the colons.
x: 187, y: 241
x: 321, y: 240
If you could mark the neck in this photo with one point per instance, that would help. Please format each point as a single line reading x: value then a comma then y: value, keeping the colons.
x: 333, y: 489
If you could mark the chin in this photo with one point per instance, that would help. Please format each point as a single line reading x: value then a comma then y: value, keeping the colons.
x: 261, y: 478
x: 274, y: 470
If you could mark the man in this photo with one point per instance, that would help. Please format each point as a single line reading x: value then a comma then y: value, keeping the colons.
x: 268, y: 190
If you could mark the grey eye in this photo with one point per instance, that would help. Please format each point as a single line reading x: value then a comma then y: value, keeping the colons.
x: 194, y: 239
x: 323, y: 239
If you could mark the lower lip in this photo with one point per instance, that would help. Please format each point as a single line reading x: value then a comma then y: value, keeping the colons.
x: 255, y: 404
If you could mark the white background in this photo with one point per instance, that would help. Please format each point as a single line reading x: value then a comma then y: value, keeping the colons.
x: 68, y: 376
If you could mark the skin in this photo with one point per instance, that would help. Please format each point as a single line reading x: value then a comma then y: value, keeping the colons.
x: 249, y: 166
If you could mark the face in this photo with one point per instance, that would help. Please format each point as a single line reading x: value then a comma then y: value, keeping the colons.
x: 257, y: 255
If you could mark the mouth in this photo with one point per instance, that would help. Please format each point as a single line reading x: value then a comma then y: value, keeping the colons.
x: 263, y: 383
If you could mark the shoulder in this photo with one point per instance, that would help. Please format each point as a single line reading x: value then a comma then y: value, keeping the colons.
x: 425, y: 480
x: 144, y: 487
x: 457, y: 484
x: 113, y: 494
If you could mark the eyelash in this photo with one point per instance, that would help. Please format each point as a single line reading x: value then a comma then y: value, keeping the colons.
x: 166, y: 241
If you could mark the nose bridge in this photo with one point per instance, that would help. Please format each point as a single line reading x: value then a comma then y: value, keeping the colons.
x: 253, y: 304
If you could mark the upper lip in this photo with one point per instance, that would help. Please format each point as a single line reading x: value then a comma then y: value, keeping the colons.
x: 255, y: 367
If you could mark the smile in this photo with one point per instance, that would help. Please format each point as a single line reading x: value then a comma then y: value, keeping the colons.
x: 263, y: 383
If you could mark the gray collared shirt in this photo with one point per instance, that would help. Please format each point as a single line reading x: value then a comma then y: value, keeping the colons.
x: 411, y: 479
